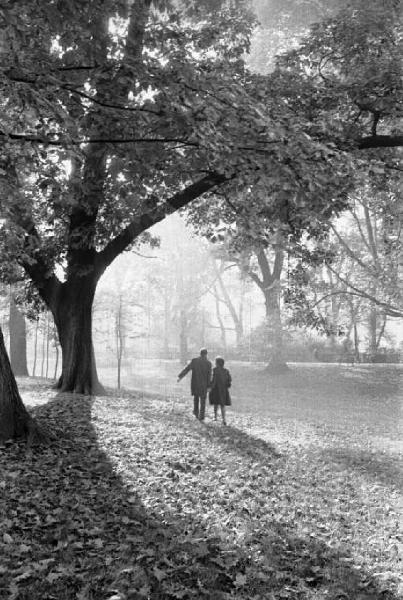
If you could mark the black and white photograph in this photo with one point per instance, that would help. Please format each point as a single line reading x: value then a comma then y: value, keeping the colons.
x: 201, y: 300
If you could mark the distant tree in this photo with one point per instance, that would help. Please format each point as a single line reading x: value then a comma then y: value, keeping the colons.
x: 357, y: 277
x: 18, y: 338
x: 120, y: 307
x: 372, y: 246
x: 232, y: 298
x: 262, y: 262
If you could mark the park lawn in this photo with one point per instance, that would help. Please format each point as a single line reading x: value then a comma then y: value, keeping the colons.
x: 136, y: 499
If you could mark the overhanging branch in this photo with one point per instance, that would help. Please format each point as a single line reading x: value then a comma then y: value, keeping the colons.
x: 145, y: 221
x: 22, y: 137
x: 380, y: 141
x: 392, y: 311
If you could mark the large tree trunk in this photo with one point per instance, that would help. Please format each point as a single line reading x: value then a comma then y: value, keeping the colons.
x: 18, y: 340
x: 15, y: 422
x: 277, y: 362
x: 72, y: 313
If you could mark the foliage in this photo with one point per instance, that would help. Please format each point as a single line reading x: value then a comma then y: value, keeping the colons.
x: 282, y: 24
x: 345, y: 78
x: 356, y: 271
x: 138, y: 500
x: 111, y: 114
x: 156, y: 98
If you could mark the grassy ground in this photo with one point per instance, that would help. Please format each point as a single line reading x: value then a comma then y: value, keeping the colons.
x: 298, y: 498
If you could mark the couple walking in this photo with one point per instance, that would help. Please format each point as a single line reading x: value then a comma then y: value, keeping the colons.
x: 203, y: 379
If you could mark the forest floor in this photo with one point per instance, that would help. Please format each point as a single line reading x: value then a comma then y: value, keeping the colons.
x: 299, y: 497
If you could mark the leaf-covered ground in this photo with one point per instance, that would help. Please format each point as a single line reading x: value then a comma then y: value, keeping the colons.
x: 136, y: 499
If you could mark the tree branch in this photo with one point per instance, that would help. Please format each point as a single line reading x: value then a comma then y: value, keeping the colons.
x: 392, y: 311
x: 351, y: 253
x: 26, y: 137
x: 145, y: 221
x: 380, y: 141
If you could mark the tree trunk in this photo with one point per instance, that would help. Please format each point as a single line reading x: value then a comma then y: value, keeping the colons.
x: 167, y: 315
x: 72, y: 312
x: 372, y: 329
x: 18, y: 340
x: 356, y: 342
x: 220, y: 320
x: 183, y: 340
x: 15, y: 421
x: 277, y: 362
x: 237, y: 318
x: 57, y: 359
x: 119, y: 340
x: 47, y: 347
x: 43, y: 346
x: 35, y: 347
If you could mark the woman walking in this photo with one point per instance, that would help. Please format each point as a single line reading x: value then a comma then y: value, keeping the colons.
x: 220, y: 384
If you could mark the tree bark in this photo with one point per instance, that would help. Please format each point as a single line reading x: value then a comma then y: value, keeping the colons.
x: 15, y: 421
x: 72, y: 312
x: 18, y: 340
x: 57, y: 359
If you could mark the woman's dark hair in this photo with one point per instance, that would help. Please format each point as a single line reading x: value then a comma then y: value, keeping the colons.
x: 219, y: 361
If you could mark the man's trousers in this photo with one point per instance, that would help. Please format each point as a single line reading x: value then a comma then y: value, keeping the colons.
x: 199, y: 407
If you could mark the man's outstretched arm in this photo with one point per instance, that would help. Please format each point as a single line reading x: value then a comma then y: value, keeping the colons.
x: 185, y: 371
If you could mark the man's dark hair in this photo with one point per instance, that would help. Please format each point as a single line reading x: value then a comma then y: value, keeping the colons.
x: 203, y: 352
x: 219, y: 361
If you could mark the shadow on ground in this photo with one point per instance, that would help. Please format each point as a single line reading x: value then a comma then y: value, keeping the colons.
x: 381, y: 468
x: 80, y: 533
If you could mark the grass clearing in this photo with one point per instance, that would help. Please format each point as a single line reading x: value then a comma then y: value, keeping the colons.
x: 136, y: 499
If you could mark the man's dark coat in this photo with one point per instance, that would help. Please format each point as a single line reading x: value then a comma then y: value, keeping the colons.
x: 201, y: 376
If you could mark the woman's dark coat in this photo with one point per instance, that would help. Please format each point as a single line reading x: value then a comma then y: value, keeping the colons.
x: 219, y: 394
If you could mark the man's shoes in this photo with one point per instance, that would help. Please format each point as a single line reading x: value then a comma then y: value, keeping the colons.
x: 224, y: 422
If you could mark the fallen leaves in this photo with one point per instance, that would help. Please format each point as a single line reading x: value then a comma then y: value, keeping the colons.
x: 137, y: 500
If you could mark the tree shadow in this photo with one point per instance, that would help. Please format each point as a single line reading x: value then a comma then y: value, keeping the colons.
x: 79, y: 531
x: 382, y: 468
x: 239, y: 442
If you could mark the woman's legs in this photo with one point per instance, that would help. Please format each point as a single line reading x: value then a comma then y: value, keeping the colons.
x: 215, y: 412
x: 223, y: 414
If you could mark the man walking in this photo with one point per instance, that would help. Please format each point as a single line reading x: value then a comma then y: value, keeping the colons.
x: 200, y: 382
